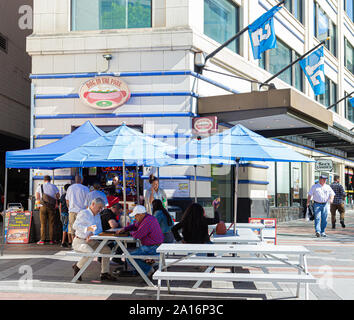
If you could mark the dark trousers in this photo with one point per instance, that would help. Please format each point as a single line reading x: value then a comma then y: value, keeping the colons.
x: 47, y: 216
x: 340, y: 208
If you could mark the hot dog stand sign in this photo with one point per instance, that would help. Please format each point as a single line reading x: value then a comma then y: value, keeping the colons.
x: 104, y: 92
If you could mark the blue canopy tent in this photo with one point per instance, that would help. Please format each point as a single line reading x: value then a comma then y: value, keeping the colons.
x: 42, y: 157
x: 122, y: 146
x: 238, y: 144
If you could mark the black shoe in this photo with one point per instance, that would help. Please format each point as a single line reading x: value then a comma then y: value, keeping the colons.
x: 76, y: 270
x: 318, y: 234
x: 125, y: 273
x: 107, y: 276
x: 333, y: 225
x: 64, y: 245
x: 342, y: 223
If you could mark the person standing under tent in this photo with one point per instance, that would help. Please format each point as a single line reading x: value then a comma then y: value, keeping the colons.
x: 47, y: 195
x: 64, y: 217
x: 321, y: 193
x: 155, y: 192
x: 96, y: 193
x: 76, y: 201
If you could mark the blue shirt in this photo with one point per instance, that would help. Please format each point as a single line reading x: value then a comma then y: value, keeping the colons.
x: 162, y: 219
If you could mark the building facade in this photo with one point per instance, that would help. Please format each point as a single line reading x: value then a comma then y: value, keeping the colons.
x: 152, y: 44
x: 15, y: 91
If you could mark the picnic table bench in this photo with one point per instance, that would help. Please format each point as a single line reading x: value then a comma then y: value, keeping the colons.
x: 262, y: 255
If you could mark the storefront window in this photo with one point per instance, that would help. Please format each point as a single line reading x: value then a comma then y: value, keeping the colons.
x: 296, y: 184
x: 324, y: 27
x: 221, y: 21
x: 222, y: 187
x: 349, y: 56
x: 110, y: 14
x: 283, y: 184
x: 271, y: 185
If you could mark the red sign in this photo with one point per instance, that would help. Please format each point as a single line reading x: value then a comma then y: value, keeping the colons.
x: 104, y: 93
x: 205, y: 125
x: 270, y: 229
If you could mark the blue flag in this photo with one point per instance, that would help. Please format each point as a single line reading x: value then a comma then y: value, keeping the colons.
x: 313, y: 67
x: 351, y: 101
x: 262, y: 33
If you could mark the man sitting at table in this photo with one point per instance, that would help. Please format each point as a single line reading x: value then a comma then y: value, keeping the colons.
x: 146, y: 229
x: 88, y: 223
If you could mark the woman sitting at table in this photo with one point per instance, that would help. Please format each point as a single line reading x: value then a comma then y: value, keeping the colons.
x: 194, y: 225
x: 164, y: 219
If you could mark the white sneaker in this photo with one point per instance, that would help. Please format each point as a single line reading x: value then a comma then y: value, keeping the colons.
x: 323, y: 235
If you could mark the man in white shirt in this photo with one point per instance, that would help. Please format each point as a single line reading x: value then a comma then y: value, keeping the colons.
x: 96, y: 193
x: 76, y: 196
x: 47, y: 207
x: 321, y: 193
x: 88, y: 223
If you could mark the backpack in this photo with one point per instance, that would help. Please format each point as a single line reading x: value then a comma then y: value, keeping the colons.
x: 220, y: 228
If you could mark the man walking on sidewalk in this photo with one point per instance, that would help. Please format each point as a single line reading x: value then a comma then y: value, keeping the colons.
x: 338, y: 202
x: 321, y: 194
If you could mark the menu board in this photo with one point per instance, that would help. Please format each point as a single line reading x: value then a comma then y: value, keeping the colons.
x: 269, y: 231
x: 19, y: 226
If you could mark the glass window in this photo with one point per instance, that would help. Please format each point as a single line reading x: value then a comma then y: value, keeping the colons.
x: 221, y: 21
x: 330, y: 95
x: 349, y: 56
x: 271, y: 185
x: 110, y: 14
x: 349, y: 8
x: 296, y: 8
x: 324, y: 27
x: 296, y: 183
x: 222, y: 187
x: 349, y: 110
x: 279, y: 58
x: 276, y: 59
x: 283, y: 184
x: 298, y: 74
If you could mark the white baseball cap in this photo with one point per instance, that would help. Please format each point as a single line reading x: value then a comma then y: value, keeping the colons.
x: 137, y: 210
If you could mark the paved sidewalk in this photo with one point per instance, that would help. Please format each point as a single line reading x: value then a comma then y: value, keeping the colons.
x: 32, y: 272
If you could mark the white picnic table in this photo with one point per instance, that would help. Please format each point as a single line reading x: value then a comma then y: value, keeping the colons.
x: 241, y: 226
x: 126, y: 254
x: 242, y: 236
x: 262, y: 255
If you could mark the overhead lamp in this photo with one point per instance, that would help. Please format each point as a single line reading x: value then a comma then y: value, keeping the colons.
x: 199, y: 59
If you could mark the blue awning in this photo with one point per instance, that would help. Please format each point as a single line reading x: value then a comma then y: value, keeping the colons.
x: 42, y: 157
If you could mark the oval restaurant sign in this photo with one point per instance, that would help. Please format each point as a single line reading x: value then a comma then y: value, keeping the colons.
x: 204, y: 125
x: 104, y: 92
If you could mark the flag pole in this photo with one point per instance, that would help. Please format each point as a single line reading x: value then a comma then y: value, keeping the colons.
x: 199, y: 69
x: 345, y: 97
x: 297, y: 60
